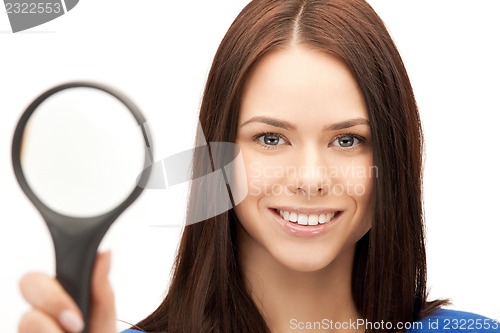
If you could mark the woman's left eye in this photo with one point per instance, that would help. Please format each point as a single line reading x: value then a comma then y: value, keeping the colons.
x: 346, y: 141
x: 270, y: 139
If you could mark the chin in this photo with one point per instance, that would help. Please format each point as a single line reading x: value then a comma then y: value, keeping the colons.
x: 306, y: 265
x: 307, y: 258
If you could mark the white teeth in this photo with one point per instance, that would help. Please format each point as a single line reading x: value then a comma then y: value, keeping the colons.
x: 312, y: 219
x: 304, y: 219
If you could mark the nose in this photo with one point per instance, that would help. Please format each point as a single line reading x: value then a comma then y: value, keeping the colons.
x: 309, y: 174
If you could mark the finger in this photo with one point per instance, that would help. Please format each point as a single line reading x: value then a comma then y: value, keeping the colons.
x: 36, y: 321
x: 46, y: 294
x: 103, y: 318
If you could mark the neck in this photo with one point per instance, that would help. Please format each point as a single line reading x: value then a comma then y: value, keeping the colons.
x: 290, y: 300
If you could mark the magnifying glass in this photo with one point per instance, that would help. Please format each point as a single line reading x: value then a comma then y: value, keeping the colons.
x: 81, y: 153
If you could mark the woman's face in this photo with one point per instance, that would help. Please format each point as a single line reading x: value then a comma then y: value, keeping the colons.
x: 305, y: 139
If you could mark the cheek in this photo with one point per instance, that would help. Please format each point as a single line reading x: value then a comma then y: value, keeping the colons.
x: 258, y: 177
x: 364, y: 176
x: 253, y: 178
x: 237, y: 176
x: 353, y: 178
x: 355, y: 181
x: 263, y: 176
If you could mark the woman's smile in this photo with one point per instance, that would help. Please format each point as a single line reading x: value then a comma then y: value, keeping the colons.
x: 298, y: 222
x: 307, y: 216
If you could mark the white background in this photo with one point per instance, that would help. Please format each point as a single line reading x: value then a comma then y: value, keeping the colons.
x: 159, y: 53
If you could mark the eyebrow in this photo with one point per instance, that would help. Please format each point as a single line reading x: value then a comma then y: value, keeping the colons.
x: 348, y: 123
x: 286, y: 125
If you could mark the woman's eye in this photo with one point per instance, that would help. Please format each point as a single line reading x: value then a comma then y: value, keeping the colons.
x: 346, y: 141
x: 270, y: 139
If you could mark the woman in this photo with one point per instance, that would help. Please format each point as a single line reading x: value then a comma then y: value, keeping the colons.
x: 330, y: 232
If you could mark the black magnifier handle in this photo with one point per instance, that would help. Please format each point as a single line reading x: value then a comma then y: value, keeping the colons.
x: 75, y: 243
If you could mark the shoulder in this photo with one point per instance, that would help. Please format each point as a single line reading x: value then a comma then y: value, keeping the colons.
x: 450, y: 321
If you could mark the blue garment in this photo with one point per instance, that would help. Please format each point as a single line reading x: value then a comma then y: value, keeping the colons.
x: 443, y: 321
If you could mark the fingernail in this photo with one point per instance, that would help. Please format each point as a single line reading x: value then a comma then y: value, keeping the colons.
x: 71, y: 321
x: 107, y: 253
x: 106, y: 257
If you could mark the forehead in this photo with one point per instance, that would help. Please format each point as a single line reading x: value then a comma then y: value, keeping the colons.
x: 298, y: 80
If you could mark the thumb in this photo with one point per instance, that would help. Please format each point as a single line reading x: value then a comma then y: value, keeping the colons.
x: 102, y: 315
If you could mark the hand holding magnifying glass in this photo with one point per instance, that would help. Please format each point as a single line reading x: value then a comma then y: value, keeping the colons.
x: 80, y: 153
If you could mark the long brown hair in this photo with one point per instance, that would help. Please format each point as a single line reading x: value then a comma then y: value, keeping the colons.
x: 207, y: 291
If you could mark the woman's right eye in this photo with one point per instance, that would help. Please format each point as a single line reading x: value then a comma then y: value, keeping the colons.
x: 270, y: 140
